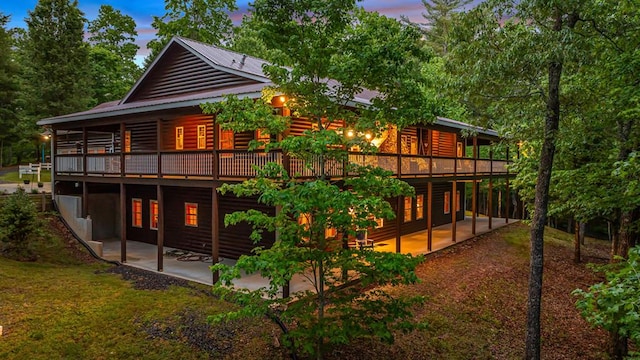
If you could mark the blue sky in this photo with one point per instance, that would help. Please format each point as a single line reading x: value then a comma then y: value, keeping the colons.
x: 143, y: 10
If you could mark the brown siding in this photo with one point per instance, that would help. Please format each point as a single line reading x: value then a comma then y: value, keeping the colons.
x: 181, y: 72
x: 444, y: 143
x: 145, y: 193
x: 241, y: 140
x: 190, y: 124
x: 143, y: 136
x: 177, y: 234
x: 234, y: 240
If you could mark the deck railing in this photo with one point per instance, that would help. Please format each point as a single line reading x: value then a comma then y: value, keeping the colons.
x: 188, y: 163
x: 103, y: 164
x: 69, y: 164
x: 242, y: 164
x: 141, y: 164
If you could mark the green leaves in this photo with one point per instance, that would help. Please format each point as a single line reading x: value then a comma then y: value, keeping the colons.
x: 19, y: 225
x: 615, y: 305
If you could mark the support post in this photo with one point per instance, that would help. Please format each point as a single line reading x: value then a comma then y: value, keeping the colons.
x: 215, y: 231
x: 160, y: 199
x: 123, y: 223
x: 454, y: 209
x: 474, y: 188
x: 490, y: 199
x: 399, y: 215
x: 85, y: 143
x: 429, y: 216
x: 507, y: 195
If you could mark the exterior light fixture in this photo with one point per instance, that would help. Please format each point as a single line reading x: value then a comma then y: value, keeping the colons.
x: 350, y: 133
x: 367, y: 136
x: 283, y: 99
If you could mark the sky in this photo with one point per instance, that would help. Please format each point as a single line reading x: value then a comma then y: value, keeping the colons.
x: 143, y: 10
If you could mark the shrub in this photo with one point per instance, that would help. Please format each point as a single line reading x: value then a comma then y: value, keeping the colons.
x: 20, y: 225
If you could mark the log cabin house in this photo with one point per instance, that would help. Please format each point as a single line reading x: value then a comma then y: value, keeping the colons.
x: 146, y: 168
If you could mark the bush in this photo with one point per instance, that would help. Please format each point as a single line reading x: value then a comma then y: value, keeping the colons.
x: 20, y: 225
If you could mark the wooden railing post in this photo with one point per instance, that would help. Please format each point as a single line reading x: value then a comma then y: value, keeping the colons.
x: 474, y: 202
x: 399, y: 217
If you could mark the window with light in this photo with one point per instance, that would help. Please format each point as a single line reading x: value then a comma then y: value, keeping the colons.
x: 153, y: 207
x: 191, y: 214
x: 136, y: 213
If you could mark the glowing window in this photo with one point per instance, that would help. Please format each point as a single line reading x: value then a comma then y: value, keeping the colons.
x: 191, y: 214
x: 226, y: 139
x: 202, y: 136
x: 136, y: 213
x: 419, y: 206
x: 153, y: 217
x: 447, y: 202
x: 179, y: 137
x: 262, y: 136
x: 407, y: 209
x: 127, y: 141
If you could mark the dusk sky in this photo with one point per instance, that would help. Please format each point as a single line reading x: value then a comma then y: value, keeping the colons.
x: 142, y: 11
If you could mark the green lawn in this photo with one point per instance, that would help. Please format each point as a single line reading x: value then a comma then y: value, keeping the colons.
x: 60, y: 307
x: 45, y: 176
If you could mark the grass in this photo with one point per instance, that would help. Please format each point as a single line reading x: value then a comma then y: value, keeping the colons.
x: 14, y: 177
x: 62, y: 307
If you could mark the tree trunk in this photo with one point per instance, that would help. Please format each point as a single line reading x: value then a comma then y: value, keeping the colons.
x: 618, y: 346
x: 532, y: 351
x: 583, y: 230
x: 576, y: 243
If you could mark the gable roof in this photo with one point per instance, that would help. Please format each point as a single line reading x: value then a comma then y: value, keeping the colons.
x: 187, y: 66
x: 188, y: 73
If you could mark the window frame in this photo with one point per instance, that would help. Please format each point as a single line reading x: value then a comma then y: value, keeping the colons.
x: 201, y: 134
x: 154, y: 212
x: 189, y: 216
x: 410, y: 209
x: 136, y: 213
x: 447, y: 202
x: 179, y: 137
x: 419, y: 206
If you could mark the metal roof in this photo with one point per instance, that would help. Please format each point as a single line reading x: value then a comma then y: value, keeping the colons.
x: 223, y: 60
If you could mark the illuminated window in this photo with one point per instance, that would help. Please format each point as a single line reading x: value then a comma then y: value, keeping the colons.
x: 202, y: 136
x: 153, y: 217
x: 191, y: 214
x: 127, y: 141
x: 136, y: 213
x: 447, y: 202
x: 226, y: 139
x: 458, y: 201
x: 407, y: 209
x: 419, y: 207
x: 262, y: 136
x: 179, y: 137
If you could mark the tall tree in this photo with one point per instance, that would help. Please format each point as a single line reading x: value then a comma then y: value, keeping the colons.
x: 8, y: 87
x: 202, y: 20
x: 439, y: 21
x: 56, y: 58
x: 345, y: 51
x: 113, y: 51
x: 511, y: 59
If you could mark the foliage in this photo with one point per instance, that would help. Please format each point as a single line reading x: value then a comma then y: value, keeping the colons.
x: 615, y: 305
x: 439, y: 21
x: 8, y: 87
x: 20, y: 225
x: 346, y: 51
x: 207, y: 21
x: 113, y: 51
x: 56, y: 58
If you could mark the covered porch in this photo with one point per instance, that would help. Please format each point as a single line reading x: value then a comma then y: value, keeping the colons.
x: 145, y: 256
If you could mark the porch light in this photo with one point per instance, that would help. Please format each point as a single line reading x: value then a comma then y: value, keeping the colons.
x: 367, y: 136
x: 350, y: 133
x: 283, y: 99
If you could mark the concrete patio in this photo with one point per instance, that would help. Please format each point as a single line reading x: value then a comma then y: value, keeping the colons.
x: 144, y: 256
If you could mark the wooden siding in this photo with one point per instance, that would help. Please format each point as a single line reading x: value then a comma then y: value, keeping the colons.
x: 181, y: 72
x: 143, y: 136
x: 234, y: 240
x: 190, y: 124
x: 144, y: 233
x: 439, y: 217
x: 176, y: 233
x: 443, y: 143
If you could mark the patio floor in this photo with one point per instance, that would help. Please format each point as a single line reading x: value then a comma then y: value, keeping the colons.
x: 144, y: 256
